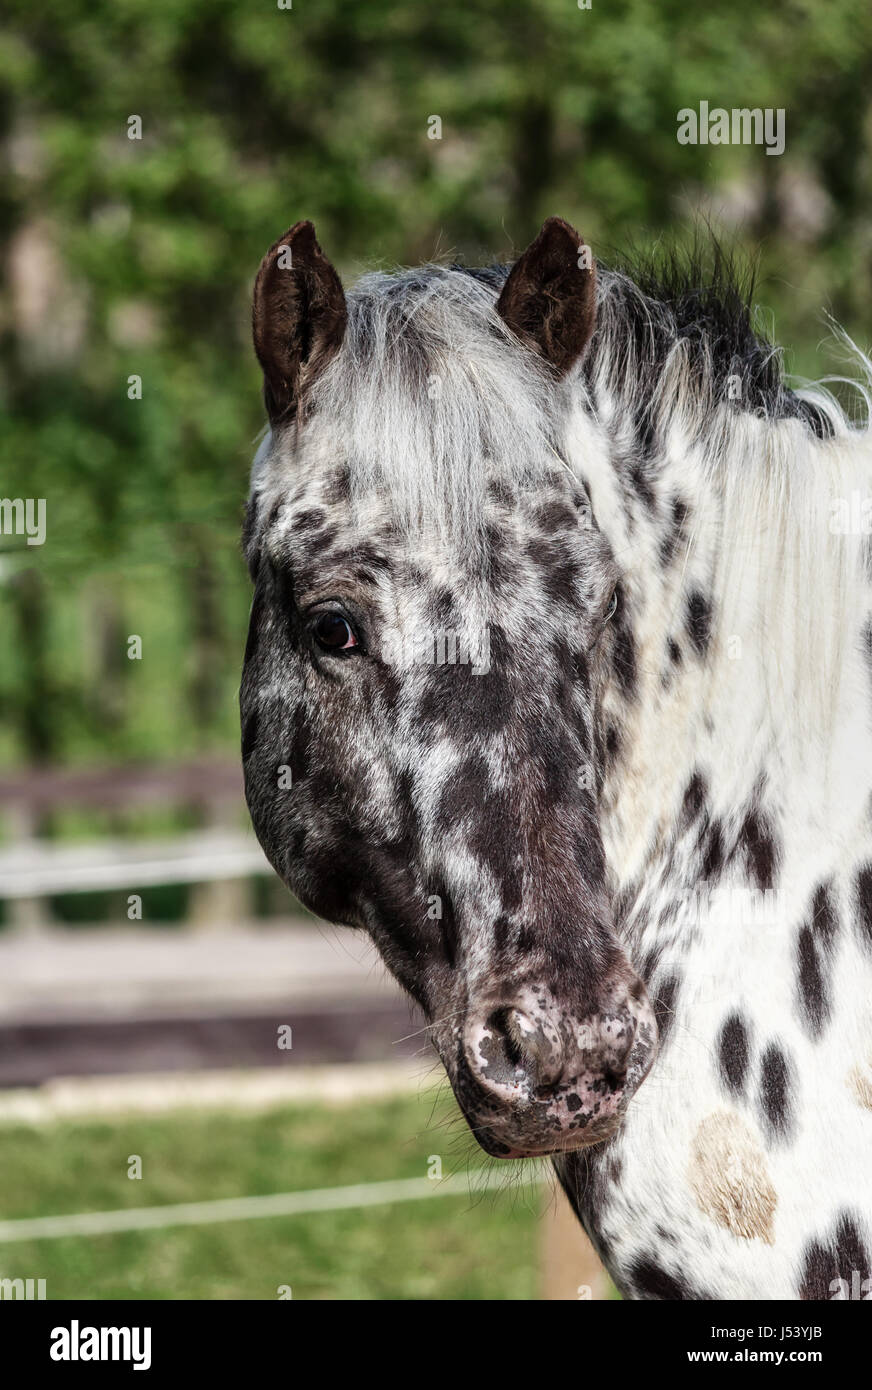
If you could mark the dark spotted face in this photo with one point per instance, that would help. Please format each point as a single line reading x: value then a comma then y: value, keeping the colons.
x: 420, y: 762
x: 419, y: 746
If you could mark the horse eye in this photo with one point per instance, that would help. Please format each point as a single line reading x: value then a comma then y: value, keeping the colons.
x: 613, y: 607
x: 334, y: 632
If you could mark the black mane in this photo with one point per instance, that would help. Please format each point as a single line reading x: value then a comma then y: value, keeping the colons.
x: 703, y: 297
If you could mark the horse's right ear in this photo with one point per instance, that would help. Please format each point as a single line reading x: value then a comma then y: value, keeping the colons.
x: 549, y: 298
x: 298, y: 317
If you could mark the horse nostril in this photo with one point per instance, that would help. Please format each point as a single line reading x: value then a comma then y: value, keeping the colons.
x: 615, y: 1078
x: 500, y: 1023
x: 508, y: 1050
x: 515, y: 1049
x: 496, y: 1050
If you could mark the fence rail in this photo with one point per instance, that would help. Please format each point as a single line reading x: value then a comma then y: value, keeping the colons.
x: 200, y: 781
x: 34, y: 867
x: 39, y: 868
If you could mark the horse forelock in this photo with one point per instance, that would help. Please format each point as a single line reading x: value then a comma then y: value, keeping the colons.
x: 433, y: 396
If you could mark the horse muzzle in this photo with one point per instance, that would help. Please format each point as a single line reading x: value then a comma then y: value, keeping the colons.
x: 532, y: 1078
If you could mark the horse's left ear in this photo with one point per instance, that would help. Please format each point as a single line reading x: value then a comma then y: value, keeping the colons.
x: 299, y: 317
x: 549, y: 298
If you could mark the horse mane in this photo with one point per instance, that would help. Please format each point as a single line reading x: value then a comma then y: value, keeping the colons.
x: 697, y: 301
x: 697, y: 305
x: 429, y: 393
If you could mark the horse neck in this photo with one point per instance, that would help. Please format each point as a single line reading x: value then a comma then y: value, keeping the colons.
x: 735, y: 698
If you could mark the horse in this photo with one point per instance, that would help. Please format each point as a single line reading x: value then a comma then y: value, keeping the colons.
x: 557, y: 684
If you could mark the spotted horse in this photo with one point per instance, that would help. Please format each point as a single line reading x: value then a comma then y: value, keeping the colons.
x: 558, y: 685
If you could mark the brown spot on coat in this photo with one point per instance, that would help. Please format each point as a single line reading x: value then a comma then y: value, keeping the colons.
x: 860, y: 1082
x: 729, y: 1177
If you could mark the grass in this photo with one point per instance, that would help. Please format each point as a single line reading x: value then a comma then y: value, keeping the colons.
x: 448, y: 1247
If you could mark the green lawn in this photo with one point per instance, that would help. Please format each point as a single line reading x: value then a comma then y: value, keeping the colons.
x: 481, y: 1247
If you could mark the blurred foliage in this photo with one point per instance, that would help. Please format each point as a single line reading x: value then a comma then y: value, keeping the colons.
x: 126, y: 257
